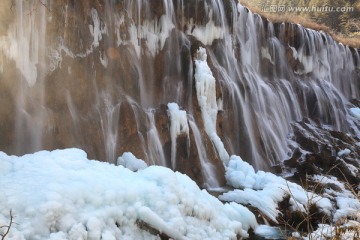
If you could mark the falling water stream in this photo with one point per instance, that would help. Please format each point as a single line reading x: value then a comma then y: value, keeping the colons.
x: 98, y: 75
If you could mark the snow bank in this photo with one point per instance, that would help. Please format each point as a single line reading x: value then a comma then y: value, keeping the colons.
x: 265, y: 190
x: 63, y: 195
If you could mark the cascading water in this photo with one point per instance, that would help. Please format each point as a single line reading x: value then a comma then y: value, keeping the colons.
x: 155, y: 147
x: 98, y: 75
x: 208, y: 169
x: 25, y: 45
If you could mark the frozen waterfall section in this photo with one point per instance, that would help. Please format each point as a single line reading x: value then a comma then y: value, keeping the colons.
x: 206, y: 96
x: 183, y: 84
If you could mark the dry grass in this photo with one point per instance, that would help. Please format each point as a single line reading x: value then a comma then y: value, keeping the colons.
x: 352, y: 41
x: 345, y: 228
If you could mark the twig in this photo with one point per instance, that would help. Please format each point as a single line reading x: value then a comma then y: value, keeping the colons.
x: 46, y: 6
x: 3, y: 235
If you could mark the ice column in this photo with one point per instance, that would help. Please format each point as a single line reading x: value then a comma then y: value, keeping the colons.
x: 178, y: 125
x: 206, y: 95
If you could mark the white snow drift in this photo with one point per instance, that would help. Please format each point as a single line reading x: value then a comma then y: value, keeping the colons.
x: 63, y: 195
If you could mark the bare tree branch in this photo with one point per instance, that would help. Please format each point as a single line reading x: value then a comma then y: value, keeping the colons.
x: 6, y: 232
x: 46, y: 6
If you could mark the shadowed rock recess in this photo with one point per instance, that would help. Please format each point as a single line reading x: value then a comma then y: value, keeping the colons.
x: 99, y: 75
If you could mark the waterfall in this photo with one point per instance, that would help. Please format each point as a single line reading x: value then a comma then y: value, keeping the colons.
x: 206, y: 96
x: 155, y: 147
x: 209, y: 172
x: 99, y: 75
x: 25, y: 44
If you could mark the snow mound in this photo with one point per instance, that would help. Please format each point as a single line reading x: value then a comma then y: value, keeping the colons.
x: 131, y: 162
x: 349, y: 231
x: 344, y: 152
x: 269, y: 232
x: 63, y: 195
x: 348, y: 205
x: 264, y: 190
x: 355, y: 112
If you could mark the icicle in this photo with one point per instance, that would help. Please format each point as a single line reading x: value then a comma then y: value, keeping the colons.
x: 179, y: 125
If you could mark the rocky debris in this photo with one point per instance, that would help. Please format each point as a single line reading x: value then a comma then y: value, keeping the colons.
x: 322, y: 150
x: 355, y: 102
x: 322, y: 153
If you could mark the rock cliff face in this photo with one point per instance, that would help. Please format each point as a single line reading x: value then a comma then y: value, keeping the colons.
x: 98, y: 75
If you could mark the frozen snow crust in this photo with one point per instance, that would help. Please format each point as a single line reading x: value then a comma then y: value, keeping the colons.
x: 63, y: 195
